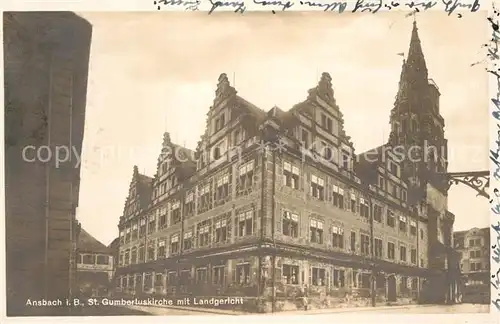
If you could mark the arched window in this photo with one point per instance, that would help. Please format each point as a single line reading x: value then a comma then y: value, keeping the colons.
x: 414, y: 125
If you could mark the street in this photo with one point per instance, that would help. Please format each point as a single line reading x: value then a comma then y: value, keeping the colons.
x: 436, y: 309
x: 410, y: 309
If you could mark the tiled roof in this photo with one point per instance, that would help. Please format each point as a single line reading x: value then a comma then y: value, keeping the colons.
x: 88, y: 243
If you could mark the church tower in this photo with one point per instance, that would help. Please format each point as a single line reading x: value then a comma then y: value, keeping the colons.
x: 416, y: 123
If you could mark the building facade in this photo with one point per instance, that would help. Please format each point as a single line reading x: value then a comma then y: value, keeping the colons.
x: 95, y: 266
x: 474, y: 248
x: 274, y: 205
x: 46, y: 58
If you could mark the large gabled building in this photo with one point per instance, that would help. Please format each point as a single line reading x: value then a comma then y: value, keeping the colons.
x: 272, y: 204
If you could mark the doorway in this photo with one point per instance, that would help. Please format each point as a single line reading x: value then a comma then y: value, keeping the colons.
x: 391, y: 289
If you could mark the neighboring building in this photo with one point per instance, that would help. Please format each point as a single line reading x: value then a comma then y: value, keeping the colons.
x: 233, y: 218
x: 46, y: 56
x: 94, y: 266
x: 114, y: 247
x: 474, y: 248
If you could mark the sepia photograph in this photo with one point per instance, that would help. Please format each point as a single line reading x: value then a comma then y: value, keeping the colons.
x: 181, y: 163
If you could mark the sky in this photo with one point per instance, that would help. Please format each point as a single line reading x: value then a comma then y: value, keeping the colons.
x: 156, y: 72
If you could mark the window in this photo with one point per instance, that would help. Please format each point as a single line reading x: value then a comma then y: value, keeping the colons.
x: 291, y: 175
x: 133, y: 255
x: 88, y: 259
x: 316, y: 231
x: 245, y: 178
x: 413, y: 257
x: 421, y: 234
x: 162, y: 220
x: 201, y: 275
x: 475, y: 242
x: 290, y: 274
x: 318, y: 277
x: 176, y: 213
x: 245, y: 223
x: 317, y: 187
x: 142, y: 254
x: 353, y: 203
x: 365, y: 244
x: 475, y: 254
x: 134, y: 234
x: 238, y: 136
x: 338, y: 278
x: 413, y: 227
x: 391, y: 251
x: 219, y: 150
x: 414, y: 284
x: 338, y: 197
x: 290, y: 224
x: 174, y: 244
x: 162, y: 249
x: 381, y: 182
x: 326, y: 123
x: 377, y: 213
x: 204, y: 233
x: 353, y: 241
x: 459, y: 242
x: 221, y: 230
x: 159, y: 280
x: 219, y: 275
x: 421, y: 263
x: 151, y: 251
x: 402, y: 253
x: 404, y: 195
x: 220, y: 122
x: 187, y: 243
x: 151, y: 224
x: 393, y: 168
x: 189, y: 204
x: 122, y: 237
x: 337, y: 237
x: 378, y: 248
x: 354, y: 279
x: 243, y: 274
x: 127, y: 257
x: 404, y: 284
x: 402, y: 223
x: 205, y: 199
x: 364, y: 210
x: 345, y: 160
x: 222, y: 191
x: 390, y: 218
x: 305, y: 137
x: 142, y: 227
x: 148, y: 281
x: 326, y: 152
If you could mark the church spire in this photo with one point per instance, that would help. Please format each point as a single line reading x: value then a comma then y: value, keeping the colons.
x: 416, y: 67
x: 414, y: 77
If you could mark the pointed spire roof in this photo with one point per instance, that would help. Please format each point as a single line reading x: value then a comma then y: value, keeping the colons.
x: 414, y: 75
x: 416, y: 61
